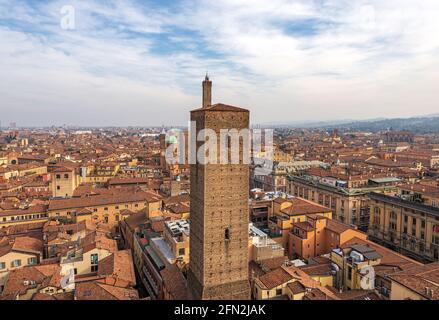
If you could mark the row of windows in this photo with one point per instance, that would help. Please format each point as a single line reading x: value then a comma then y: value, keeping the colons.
x: 105, y: 209
x: 45, y: 215
x: 17, y: 263
x: 26, y: 217
x: 326, y: 200
x: 394, y: 216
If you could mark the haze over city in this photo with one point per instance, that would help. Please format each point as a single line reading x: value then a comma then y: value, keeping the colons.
x: 139, y: 62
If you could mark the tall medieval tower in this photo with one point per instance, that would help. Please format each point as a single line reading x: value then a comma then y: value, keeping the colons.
x: 218, y: 266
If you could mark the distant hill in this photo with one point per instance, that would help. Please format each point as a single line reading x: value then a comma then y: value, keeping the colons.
x: 422, y: 124
x: 417, y: 125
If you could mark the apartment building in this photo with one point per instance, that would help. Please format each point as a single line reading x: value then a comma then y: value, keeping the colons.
x: 16, y: 253
x: 60, y: 238
x: 428, y: 158
x: 158, y: 278
x: 104, y: 208
x: 427, y: 194
x: 176, y: 236
x: 318, y: 235
x: 287, y: 281
x: 287, y: 211
x: 417, y: 283
x: 262, y: 247
x: 25, y: 215
x: 34, y: 158
x: 100, y: 173
x: 347, y: 199
x: 136, y: 233
x: 361, y: 264
x: 83, y: 258
x: 41, y: 282
x: 63, y: 182
x: 408, y: 227
x: 274, y: 178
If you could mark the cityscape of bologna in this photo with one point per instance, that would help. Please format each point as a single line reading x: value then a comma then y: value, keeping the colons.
x: 231, y: 151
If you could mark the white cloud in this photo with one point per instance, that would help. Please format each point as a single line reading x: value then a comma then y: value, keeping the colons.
x: 354, y: 60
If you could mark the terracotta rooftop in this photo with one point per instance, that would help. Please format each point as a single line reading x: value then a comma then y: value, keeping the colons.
x: 272, y: 263
x: 42, y: 275
x: 175, y: 282
x: 320, y: 293
x: 57, y: 296
x: 323, y: 269
x: 337, y: 226
x: 302, y: 206
x: 21, y: 244
x: 119, y: 266
x: 99, y: 291
x: 25, y: 228
x: 221, y: 107
x: 176, y: 199
x: 275, y: 278
x: 283, y: 275
x: 100, y: 200
x: 422, y: 279
x: 296, y: 287
x: 30, y: 210
x: 432, y: 191
x: 135, y: 220
x: 98, y: 240
x: 358, y: 295
x: 304, y: 225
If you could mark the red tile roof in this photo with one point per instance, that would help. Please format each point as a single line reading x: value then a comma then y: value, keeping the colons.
x: 221, y: 107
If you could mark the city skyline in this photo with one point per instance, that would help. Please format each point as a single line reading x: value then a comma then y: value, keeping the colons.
x: 139, y: 63
x: 308, y: 215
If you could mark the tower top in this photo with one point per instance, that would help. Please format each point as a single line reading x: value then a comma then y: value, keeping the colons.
x: 207, y: 92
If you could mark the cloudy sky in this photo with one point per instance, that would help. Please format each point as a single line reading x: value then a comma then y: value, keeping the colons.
x: 141, y: 62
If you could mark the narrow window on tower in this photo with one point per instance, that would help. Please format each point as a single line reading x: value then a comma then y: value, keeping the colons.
x: 229, y: 149
x: 227, y: 234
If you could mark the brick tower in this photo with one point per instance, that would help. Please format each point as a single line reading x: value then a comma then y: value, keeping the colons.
x: 218, y: 266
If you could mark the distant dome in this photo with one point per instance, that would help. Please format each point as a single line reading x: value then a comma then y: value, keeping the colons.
x: 172, y: 139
